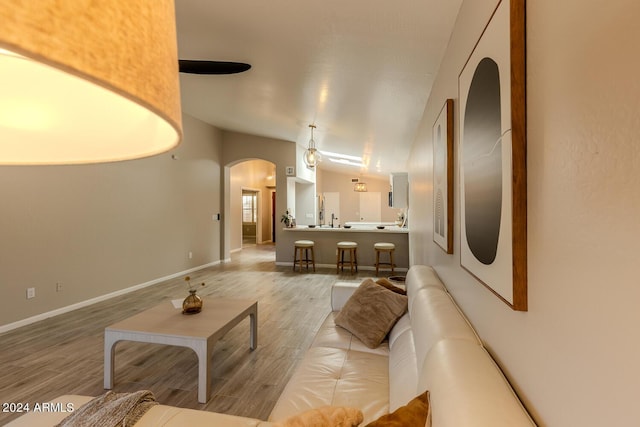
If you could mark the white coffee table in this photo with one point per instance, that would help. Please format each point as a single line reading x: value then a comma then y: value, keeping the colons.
x: 164, y: 324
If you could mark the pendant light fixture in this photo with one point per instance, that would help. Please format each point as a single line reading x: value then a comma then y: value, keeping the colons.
x: 311, y: 155
x: 87, y: 82
x: 359, y: 186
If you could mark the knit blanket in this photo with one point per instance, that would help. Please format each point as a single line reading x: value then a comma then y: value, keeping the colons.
x: 111, y: 410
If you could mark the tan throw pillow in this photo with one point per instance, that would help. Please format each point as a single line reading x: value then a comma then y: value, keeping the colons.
x: 371, y: 312
x: 414, y: 413
x: 389, y: 285
x: 325, y: 416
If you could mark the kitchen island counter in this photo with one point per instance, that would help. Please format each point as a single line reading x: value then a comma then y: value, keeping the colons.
x: 327, y: 238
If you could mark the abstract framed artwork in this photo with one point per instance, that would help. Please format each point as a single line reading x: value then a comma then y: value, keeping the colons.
x: 443, y: 178
x: 492, y: 157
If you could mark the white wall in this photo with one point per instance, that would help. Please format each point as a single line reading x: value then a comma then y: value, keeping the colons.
x: 573, y: 357
x: 102, y: 228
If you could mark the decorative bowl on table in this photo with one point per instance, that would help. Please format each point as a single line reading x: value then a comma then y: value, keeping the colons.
x: 347, y: 226
x: 311, y: 226
x: 380, y: 227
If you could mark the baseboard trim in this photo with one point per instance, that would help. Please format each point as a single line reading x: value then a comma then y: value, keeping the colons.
x: 29, y: 320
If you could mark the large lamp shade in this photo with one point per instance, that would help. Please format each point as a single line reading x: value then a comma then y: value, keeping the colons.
x: 85, y: 81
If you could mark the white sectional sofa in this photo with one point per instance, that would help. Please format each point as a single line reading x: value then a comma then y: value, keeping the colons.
x: 432, y: 347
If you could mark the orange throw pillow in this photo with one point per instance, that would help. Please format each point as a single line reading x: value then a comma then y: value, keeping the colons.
x: 413, y: 414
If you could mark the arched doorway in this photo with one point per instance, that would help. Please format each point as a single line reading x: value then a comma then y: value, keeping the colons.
x: 252, y: 183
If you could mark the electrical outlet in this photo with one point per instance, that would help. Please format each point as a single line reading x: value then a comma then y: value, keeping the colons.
x: 190, y: 255
x: 31, y: 293
x: 58, y: 287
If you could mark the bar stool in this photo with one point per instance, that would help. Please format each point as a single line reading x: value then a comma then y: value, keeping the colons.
x: 352, y: 247
x: 299, y: 247
x: 384, y: 247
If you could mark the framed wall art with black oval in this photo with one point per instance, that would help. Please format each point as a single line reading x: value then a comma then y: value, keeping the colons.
x: 492, y: 157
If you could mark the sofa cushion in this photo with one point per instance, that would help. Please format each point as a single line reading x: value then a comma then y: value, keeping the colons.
x: 434, y: 317
x: 341, y: 292
x: 371, y: 312
x: 414, y: 413
x: 468, y: 389
x: 403, y: 370
x: 331, y: 336
x: 402, y: 325
x: 336, y: 377
x: 420, y: 277
x: 170, y: 416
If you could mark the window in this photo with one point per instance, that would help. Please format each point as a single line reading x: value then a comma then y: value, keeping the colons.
x: 249, y: 208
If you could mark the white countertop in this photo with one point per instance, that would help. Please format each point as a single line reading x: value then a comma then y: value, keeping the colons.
x: 353, y: 229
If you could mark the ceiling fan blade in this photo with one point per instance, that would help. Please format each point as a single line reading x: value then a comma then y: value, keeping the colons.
x: 211, y: 67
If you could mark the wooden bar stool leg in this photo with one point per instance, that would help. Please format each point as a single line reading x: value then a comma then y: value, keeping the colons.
x: 300, y: 257
x: 306, y: 253
x: 377, y: 261
x: 355, y: 257
x: 306, y: 259
x: 313, y: 259
x: 391, y: 259
x: 344, y: 252
x: 350, y: 260
x: 295, y: 256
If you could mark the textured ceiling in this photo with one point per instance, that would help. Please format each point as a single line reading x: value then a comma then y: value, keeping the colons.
x: 361, y: 70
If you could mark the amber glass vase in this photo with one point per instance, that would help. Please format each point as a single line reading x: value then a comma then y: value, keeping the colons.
x: 192, y: 304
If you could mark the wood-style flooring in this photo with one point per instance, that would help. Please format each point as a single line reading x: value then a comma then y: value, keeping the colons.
x: 64, y: 354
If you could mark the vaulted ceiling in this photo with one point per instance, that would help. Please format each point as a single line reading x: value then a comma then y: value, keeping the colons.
x: 360, y: 70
